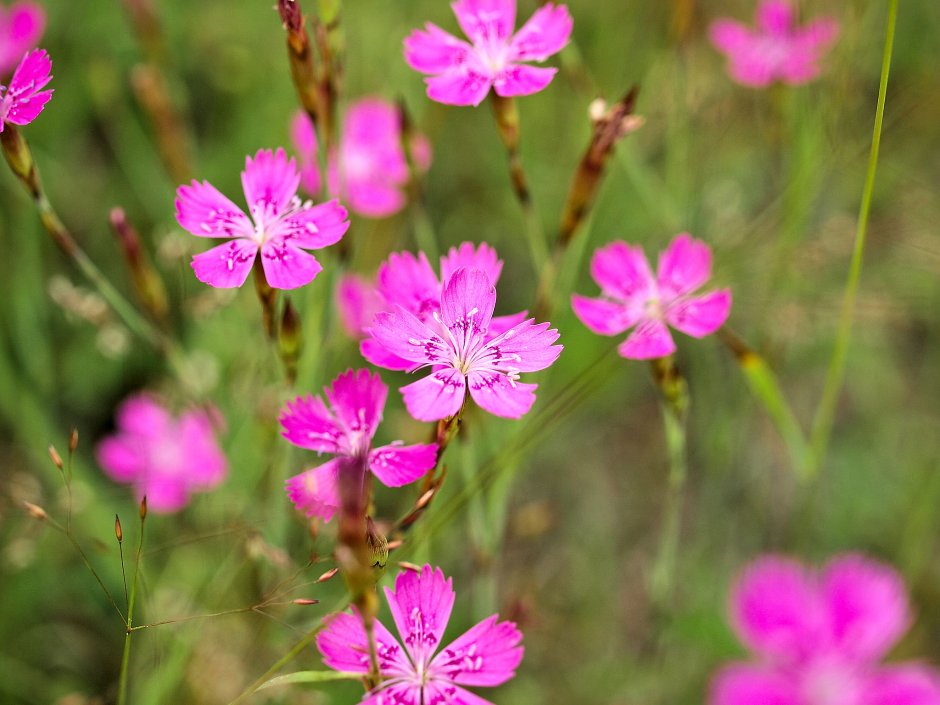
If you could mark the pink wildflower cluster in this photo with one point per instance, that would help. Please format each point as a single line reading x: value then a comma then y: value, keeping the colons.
x: 818, y: 637
x: 346, y: 428
x: 21, y: 26
x: 416, y: 669
x: 23, y: 100
x: 632, y: 297
x: 280, y: 226
x: 776, y: 49
x: 463, y: 73
x: 166, y: 459
x: 368, y: 170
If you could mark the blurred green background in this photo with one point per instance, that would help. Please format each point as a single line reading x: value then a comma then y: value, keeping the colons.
x: 554, y: 520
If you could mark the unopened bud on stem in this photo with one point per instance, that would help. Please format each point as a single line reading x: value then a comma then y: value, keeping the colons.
x: 56, y: 458
x: 118, y: 532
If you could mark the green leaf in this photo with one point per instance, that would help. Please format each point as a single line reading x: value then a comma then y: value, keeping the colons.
x: 312, y: 677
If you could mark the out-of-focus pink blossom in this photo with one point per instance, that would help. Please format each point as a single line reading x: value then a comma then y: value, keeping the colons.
x: 465, y: 356
x: 632, y: 296
x: 416, y: 669
x: 24, y: 99
x: 21, y: 26
x: 166, y: 459
x: 819, y: 636
x: 776, y: 49
x: 462, y: 73
x: 369, y: 170
x: 281, y: 226
x: 357, y: 302
x: 345, y: 428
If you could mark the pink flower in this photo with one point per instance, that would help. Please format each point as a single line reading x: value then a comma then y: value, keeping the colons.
x: 357, y: 302
x: 24, y: 98
x: 462, y: 73
x: 465, y: 356
x: 776, y: 49
x: 818, y: 637
x: 281, y: 227
x: 21, y: 26
x: 166, y: 459
x: 369, y: 171
x: 632, y: 296
x: 410, y: 282
x: 356, y: 400
x: 485, y: 655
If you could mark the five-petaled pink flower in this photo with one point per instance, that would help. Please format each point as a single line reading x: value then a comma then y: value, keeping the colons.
x: 462, y: 73
x: 777, y: 49
x: 21, y: 26
x: 346, y: 428
x: 281, y: 226
x: 410, y: 282
x: 818, y: 637
x: 413, y: 674
x: 632, y: 296
x: 369, y: 170
x: 465, y: 356
x: 24, y: 98
x: 166, y: 459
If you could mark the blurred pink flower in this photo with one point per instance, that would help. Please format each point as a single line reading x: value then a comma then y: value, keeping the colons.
x: 166, y: 459
x: 632, y: 296
x: 24, y: 98
x: 465, y: 356
x: 818, y: 637
x: 462, y: 73
x: 281, y: 226
x: 345, y: 429
x: 777, y: 49
x: 486, y: 655
x: 21, y: 26
x: 410, y: 282
x: 369, y: 171
x: 357, y: 301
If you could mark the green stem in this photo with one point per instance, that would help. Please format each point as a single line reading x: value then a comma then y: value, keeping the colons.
x: 126, y: 658
x: 825, y: 412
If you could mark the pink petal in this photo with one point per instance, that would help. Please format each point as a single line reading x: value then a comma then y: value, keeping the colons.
x: 357, y: 302
x: 377, y: 354
x: 904, y: 685
x: 488, y: 655
x: 730, y: 37
x: 531, y: 343
x: 307, y: 423
x: 500, y: 324
x: 437, y: 396
x: 374, y: 198
x: 468, y: 300
x: 22, y: 27
x: 165, y: 494
x: 702, y: 315
x: 397, y: 465
x: 603, y: 316
x: 121, y: 458
x: 519, y: 79
x: 287, y: 267
x: 143, y: 416
x: 26, y: 100
x: 546, y: 33
x: 345, y: 646
x: 409, y: 282
x: 486, y: 20
x: 649, y: 340
x: 742, y: 684
x: 226, y: 266
x: 313, y: 227
x: 623, y: 272
x: 206, y: 465
x: 444, y: 692
x: 435, y: 51
x: 421, y: 604
x: 482, y: 257
x: 358, y: 399
x: 205, y: 212
x: 464, y: 86
x: 421, y: 152
x: 683, y: 267
x: 270, y: 181
x: 497, y: 394
x: 775, y: 609
x: 404, y: 336
x: 774, y: 17
x: 315, y: 492
x: 304, y: 138
x: 866, y: 606
x: 806, y: 48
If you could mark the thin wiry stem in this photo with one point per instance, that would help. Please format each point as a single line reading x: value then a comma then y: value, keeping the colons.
x: 835, y: 375
x: 126, y: 657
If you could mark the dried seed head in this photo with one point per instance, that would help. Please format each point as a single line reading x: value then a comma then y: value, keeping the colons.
x: 305, y: 601
x: 409, y: 566
x: 143, y: 508
x: 56, y: 458
x: 327, y: 575
x: 73, y: 440
x: 118, y: 532
x: 35, y: 511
